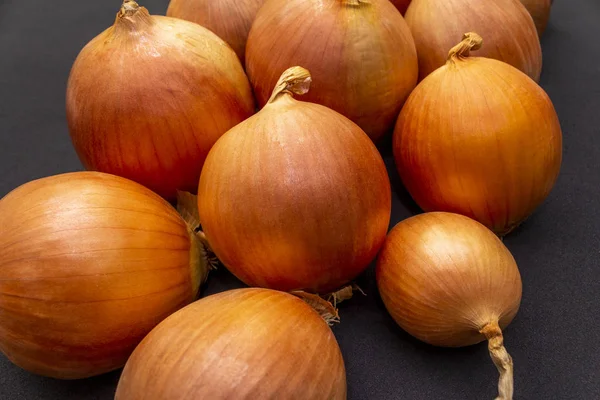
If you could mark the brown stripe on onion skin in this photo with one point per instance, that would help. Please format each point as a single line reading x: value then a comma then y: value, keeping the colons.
x: 506, y: 25
x: 89, y: 264
x: 149, y: 96
x: 240, y: 344
x: 449, y: 281
x: 480, y: 138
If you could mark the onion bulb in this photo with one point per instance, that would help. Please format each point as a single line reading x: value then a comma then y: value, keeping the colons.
x: 229, y: 19
x: 401, y: 5
x: 240, y: 344
x: 89, y: 264
x: 360, y: 53
x: 296, y: 197
x: 148, y: 97
x: 506, y: 25
x: 479, y: 138
x: 540, y: 12
x: 449, y: 281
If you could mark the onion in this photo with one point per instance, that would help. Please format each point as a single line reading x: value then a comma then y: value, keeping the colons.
x: 229, y: 19
x: 89, y: 264
x: 239, y: 344
x: 148, y: 97
x: 505, y: 24
x: 479, y: 138
x: 449, y: 281
x: 401, y: 5
x: 295, y: 197
x: 360, y: 53
x: 540, y: 11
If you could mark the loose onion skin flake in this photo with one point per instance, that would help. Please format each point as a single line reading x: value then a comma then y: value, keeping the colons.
x: 506, y: 25
x: 479, y: 138
x: 241, y: 344
x: 296, y: 197
x: 89, y: 264
x: 229, y: 19
x: 449, y: 281
x: 360, y: 53
x: 148, y: 97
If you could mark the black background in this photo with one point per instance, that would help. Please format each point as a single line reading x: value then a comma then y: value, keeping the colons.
x: 554, y: 339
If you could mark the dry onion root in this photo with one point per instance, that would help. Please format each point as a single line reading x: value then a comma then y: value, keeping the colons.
x: 449, y: 281
x: 149, y: 96
x: 479, y: 138
x: 242, y: 344
x: 89, y: 264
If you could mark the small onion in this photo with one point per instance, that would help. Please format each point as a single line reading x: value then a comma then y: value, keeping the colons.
x: 479, y: 138
x: 540, y: 11
x: 401, y: 5
x: 360, y: 53
x: 295, y: 197
x: 505, y: 24
x: 449, y: 281
x: 229, y: 19
x: 148, y: 97
x: 89, y: 264
x: 241, y: 344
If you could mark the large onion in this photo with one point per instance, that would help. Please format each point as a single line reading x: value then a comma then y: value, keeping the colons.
x: 506, y: 25
x: 149, y: 96
x: 360, y: 53
x: 245, y: 344
x: 295, y: 197
x: 449, y: 281
x: 540, y: 11
x: 89, y: 264
x: 229, y: 19
x: 479, y: 138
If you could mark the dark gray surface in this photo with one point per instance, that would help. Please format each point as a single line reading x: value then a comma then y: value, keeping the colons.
x: 554, y: 338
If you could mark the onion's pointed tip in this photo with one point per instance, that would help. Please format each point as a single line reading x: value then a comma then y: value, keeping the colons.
x: 294, y: 80
x: 470, y: 41
x: 129, y: 7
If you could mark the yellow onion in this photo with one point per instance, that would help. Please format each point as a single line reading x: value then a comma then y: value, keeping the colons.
x: 244, y: 344
x: 479, y: 138
x: 360, y: 53
x: 229, y: 19
x: 449, y: 281
x: 540, y: 11
x: 89, y: 264
x: 149, y: 96
x: 401, y: 5
x: 506, y: 25
x: 295, y: 197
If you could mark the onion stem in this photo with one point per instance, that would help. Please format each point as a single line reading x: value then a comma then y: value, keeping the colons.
x: 470, y: 41
x: 502, y: 360
x: 294, y: 80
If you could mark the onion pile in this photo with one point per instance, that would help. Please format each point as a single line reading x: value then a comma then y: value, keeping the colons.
x: 229, y: 19
x: 449, y: 281
x: 540, y: 11
x: 479, y: 138
x: 295, y: 197
x: 506, y: 25
x: 240, y: 344
x: 360, y: 53
x: 148, y: 97
x: 89, y: 264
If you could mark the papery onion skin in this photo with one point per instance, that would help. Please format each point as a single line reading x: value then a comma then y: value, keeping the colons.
x: 401, y: 5
x: 295, y: 197
x: 229, y: 19
x: 148, y: 97
x: 540, y: 12
x: 479, y: 138
x: 507, y: 27
x: 89, y: 264
x: 361, y: 55
x: 240, y: 344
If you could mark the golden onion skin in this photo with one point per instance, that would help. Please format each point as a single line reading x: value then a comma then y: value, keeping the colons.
x: 89, y: 264
x: 540, y: 12
x: 295, y: 197
x: 506, y: 26
x: 241, y: 344
x: 229, y: 19
x: 479, y: 138
x: 361, y: 55
x: 148, y: 97
x: 443, y: 277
